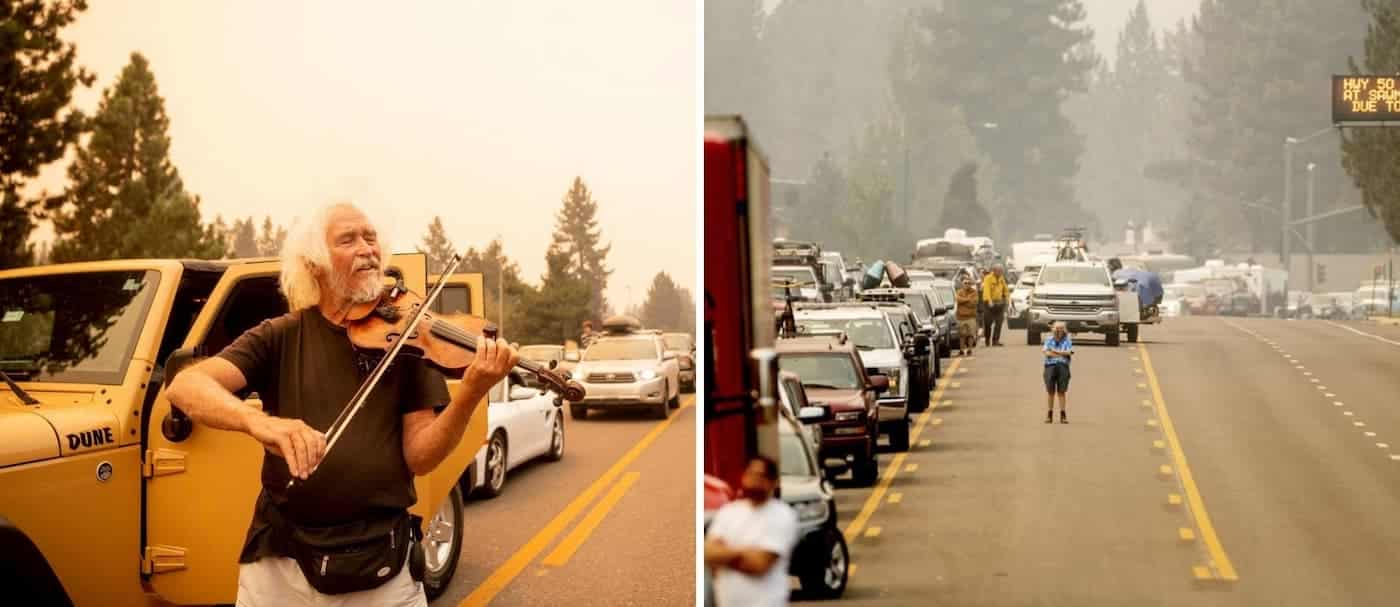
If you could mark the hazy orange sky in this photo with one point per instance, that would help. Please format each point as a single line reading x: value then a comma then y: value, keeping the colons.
x: 481, y: 112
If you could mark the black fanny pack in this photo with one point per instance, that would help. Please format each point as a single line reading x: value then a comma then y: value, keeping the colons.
x: 352, y: 557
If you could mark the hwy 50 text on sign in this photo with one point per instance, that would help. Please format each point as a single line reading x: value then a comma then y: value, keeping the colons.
x: 1365, y: 99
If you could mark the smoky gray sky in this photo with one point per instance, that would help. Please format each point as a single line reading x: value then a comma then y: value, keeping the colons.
x: 481, y: 112
x: 1108, y: 16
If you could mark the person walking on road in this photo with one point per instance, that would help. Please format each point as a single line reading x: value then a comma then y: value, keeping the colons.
x: 967, y: 317
x: 750, y: 541
x: 1058, y: 350
x: 995, y: 294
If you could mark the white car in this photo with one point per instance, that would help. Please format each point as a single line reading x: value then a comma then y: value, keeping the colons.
x: 628, y: 370
x: 522, y: 424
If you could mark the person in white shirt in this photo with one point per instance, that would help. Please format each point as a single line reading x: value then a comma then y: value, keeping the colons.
x: 750, y: 540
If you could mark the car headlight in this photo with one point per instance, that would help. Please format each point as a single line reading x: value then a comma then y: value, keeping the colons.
x: 893, y: 374
x: 810, y: 511
x: 846, y: 416
x: 649, y: 374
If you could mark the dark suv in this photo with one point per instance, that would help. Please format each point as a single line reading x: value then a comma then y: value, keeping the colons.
x: 831, y: 372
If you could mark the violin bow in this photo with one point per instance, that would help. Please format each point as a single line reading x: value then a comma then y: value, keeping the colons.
x: 348, y: 412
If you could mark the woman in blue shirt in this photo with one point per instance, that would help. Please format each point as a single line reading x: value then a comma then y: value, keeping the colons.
x: 1058, y: 349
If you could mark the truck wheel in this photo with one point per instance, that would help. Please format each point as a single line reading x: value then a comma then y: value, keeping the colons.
x: 1032, y: 337
x: 1132, y: 334
x: 578, y: 411
x: 442, y: 545
x: 826, y: 578
x: 866, y: 471
x: 899, y: 436
x: 1112, y: 337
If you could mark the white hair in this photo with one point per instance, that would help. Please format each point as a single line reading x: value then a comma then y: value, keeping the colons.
x: 305, y: 251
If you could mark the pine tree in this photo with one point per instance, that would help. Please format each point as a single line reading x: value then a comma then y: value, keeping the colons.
x: 271, y: 238
x: 125, y: 197
x: 556, y: 311
x: 1369, y: 153
x: 39, y: 72
x: 437, y: 246
x: 219, y: 232
x: 961, y: 209
x: 493, y: 264
x: 1043, y: 52
x: 668, y: 307
x: 244, y: 239
x: 576, y: 235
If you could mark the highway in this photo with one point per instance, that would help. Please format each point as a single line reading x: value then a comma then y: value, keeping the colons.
x: 1224, y: 461
x: 613, y: 523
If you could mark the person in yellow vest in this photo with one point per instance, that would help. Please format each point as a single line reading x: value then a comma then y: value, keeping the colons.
x: 995, y: 294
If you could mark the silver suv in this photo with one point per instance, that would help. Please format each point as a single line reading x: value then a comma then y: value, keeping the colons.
x: 1079, y: 293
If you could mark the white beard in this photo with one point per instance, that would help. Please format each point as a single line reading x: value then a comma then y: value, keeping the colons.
x: 366, y: 291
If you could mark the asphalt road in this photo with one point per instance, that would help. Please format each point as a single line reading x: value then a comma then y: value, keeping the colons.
x: 1288, y: 494
x: 623, y: 499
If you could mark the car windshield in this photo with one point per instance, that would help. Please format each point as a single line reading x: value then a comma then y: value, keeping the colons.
x: 78, y: 328
x: 542, y: 353
x: 622, y: 349
x: 834, y: 371
x: 920, y: 305
x: 804, y: 277
x: 792, y: 456
x: 679, y: 343
x: 865, y: 333
x: 1083, y: 275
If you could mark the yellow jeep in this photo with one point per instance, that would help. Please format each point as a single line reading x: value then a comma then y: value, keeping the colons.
x: 111, y: 498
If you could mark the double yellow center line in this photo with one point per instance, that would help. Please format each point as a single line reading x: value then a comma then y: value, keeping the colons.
x: 1220, y: 566
x: 507, y: 572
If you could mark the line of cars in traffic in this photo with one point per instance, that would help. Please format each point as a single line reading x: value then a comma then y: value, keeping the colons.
x: 625, y: 368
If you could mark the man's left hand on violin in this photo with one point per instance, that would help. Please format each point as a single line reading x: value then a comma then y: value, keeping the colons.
x: 494, y: 360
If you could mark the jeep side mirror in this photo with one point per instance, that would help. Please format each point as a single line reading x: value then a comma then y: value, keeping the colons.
x: 879, y: 383
x: 921, y: 342
x: 1120, y: 283
x: 940, y: 310
x: 177, y: 426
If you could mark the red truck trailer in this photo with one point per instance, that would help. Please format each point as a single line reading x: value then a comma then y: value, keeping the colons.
x: 741, y: 406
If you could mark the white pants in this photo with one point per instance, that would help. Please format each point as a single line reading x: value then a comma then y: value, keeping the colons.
x: 278, y: 581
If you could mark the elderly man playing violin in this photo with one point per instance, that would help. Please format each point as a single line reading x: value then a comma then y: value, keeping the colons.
x: 340, y: 536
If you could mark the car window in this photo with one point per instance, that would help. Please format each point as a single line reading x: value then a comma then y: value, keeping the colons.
x: 793, y: 459
x: 802, y: 276
x: 920, y: 304
x: 622, y: 349
x: 866, y: 333
x: 680, y: 343
x: 1074, y: 275
x: 822, y: 370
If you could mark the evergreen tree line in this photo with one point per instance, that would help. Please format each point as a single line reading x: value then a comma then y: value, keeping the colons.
x: 889, y: 121
x: 125, y: 197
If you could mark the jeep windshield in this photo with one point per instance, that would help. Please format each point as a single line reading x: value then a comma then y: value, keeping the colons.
x: 622, y: 349
x: 824, y: 371
x: 865, y: 333
x: 78, y: 328
x: 1079, y: 275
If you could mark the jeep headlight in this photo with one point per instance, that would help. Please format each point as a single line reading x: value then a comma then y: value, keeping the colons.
x: 846, y: 416
x: 810, y: 511
x: 648, y: 374
x: 893, y: 374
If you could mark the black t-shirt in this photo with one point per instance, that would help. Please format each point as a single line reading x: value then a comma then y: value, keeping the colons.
x: 303, y: 367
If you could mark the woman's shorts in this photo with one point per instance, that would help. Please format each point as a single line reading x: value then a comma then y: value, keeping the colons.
x: 967, y: 328
x: 1057, y: 378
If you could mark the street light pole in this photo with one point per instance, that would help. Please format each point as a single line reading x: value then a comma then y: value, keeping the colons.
x: 1283, y: 215
x: 1311, y: 227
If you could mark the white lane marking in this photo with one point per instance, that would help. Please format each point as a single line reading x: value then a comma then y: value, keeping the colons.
x: 1337, y: 402
x: 1348, y: 413
x: 1329, y: 395
x: 1314, y: 380
x: 1300, y: 367
x: 1394, y: 457
x: 1370, y: 434
x: 1359, y: 424
x: 1306, y: 373
x: 1383, y: 445
x: 1364, y: 334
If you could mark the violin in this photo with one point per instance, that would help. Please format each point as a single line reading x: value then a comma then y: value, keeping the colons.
x: 399, y: 323
x: 448, y: 345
